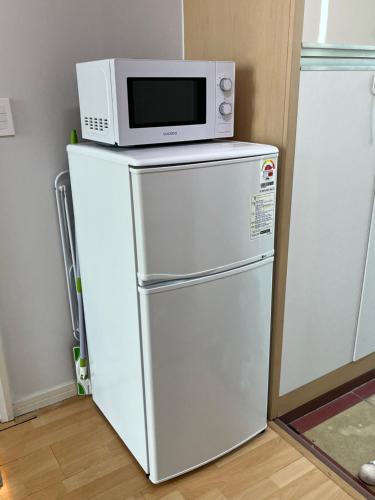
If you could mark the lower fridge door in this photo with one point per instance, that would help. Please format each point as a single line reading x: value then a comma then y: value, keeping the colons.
x: 206, y: 354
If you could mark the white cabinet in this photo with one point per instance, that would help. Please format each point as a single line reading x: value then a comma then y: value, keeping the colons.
x: 365, y: 342
x: 333, y: 189
x: 348, y: 22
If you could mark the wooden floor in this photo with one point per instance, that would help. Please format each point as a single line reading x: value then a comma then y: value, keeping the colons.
x: 69, y: 451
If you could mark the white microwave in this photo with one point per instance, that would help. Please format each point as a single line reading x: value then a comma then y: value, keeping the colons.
x: 129, y: 102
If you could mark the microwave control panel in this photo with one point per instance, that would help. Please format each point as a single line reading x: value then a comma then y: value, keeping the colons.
x: 224, y: 98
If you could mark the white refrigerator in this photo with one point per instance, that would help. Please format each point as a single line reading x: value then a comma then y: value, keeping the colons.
x: 176, y: 246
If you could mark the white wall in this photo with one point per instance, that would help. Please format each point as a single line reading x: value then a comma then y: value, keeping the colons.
x: 348, y: 21
x: 6, y: 409
x: 40, y: 42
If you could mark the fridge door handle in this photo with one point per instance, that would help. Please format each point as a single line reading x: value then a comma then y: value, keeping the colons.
x: 168, y: 286
x: 151, y: 279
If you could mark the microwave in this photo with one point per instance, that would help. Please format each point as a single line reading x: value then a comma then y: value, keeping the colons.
x: 128, y: 102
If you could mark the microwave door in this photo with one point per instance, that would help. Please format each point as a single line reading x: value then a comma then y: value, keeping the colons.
x: 168, y: 102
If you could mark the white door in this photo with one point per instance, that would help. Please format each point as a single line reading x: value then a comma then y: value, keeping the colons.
x: 206, y: 351
x: 333, y: 186
x: 365, y: 341
x: 196, y: 219
x: 339, y: 22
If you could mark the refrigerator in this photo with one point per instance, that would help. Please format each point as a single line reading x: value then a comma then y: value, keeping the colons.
x: 176, y: 247
x: 330, y: 290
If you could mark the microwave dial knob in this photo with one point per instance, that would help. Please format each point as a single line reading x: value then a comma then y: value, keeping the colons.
x: 225, y: 108
x: 226, y: 84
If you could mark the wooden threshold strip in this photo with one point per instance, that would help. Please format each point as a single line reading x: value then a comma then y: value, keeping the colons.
x: 326, y: 464
x: 316, y: 403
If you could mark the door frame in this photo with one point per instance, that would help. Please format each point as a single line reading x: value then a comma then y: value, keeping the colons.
x: 6, y: 405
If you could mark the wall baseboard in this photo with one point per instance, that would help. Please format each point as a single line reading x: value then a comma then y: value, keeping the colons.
x: 44, y: 398
x: 323, y: 385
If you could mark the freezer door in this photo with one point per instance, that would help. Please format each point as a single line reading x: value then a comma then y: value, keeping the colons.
x: 206, y: 352
x: 203, y: 218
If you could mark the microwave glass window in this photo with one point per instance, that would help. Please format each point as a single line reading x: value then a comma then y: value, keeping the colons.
x: 160, y: 102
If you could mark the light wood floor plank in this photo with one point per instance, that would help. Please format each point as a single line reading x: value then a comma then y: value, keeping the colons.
x: 33, y: 472
x: 292, y: 472
x: 70, y: 452
x: 54, y: 492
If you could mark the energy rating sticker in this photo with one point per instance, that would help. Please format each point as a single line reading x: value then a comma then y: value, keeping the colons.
x: 268, y: 176
x: 262, y: 215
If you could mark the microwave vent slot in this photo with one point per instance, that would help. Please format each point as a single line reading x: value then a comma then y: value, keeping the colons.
x: 95, y: 123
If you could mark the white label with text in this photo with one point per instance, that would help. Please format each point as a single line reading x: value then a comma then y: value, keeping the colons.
x: 262, y: 215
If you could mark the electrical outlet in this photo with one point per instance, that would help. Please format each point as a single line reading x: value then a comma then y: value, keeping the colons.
x: 6, y: 118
